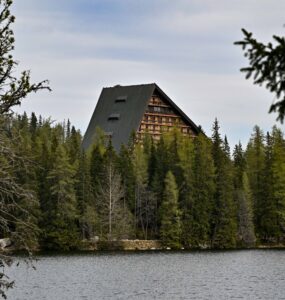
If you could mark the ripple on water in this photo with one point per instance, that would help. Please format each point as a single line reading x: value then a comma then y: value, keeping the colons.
x: 253, y: 274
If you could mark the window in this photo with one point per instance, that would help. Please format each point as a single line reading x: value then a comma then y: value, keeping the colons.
x: 109, y: 134
x: 157, y: 109
x: 121, y: 99
x: 113, y: 117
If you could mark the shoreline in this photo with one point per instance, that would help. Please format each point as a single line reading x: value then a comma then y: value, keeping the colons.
x: 133, y: 246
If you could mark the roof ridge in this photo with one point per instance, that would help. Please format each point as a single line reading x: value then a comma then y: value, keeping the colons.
x: 131, y: 85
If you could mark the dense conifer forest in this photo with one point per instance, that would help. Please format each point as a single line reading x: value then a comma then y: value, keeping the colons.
x: 191, y: 193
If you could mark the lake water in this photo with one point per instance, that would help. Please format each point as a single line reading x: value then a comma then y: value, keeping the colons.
x: 248, y: 274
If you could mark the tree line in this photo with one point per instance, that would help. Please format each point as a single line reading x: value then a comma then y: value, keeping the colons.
x: 190, y: 193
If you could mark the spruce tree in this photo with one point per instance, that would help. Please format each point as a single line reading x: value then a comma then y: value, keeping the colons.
x: 145, y: 202
x: 186, y: 165
x: 126, y: 169
x: 170, y: 214
x: 197, y: 233
x: 73, y: 144
x: 256, y: 168
x: 33, y: 125
x: 61, y: 231
x: 86, y: 204
x: 243, y: 198
x: 96, y: 166
x: 223, y: 218
x: 278, y: 186
x: 162, y: 167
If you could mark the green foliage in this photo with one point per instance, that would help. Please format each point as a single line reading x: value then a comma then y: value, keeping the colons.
x: 197, y: 223
x: 61, y: 230
x: 256, y: 169
x: 19, y: 204
x: 182, y: 191
x: 171, y: 229
x: 243, y: 198
x: 266, y: 66
x: 278, y: 185
x: 224, y: 216
x: 145, y: 202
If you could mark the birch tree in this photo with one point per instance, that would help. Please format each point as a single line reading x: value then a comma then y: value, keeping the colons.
x: 115, y: 218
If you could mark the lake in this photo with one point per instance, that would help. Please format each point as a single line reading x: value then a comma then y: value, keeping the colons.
x: 246, y: 274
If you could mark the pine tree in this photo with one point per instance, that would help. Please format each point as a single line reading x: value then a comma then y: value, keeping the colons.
x: 171, y: 228
x: 223, y: 219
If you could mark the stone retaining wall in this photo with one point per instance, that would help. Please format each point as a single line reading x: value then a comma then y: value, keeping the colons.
x: 129, y: 245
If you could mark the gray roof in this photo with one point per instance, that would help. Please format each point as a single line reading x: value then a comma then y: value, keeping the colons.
x: 120, y: 109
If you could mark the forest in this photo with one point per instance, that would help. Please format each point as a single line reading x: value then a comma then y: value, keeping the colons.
x: 190, y: 193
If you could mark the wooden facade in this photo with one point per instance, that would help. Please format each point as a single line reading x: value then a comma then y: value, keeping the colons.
x: 160, y: 117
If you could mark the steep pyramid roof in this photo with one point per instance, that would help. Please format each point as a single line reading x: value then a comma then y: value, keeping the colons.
x: 120, y: 110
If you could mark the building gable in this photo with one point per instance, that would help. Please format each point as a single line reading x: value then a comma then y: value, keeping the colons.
x: 123, y: 109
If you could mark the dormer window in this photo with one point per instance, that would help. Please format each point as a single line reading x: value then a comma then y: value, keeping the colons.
x: 113, y: 117
x: 121, y: 99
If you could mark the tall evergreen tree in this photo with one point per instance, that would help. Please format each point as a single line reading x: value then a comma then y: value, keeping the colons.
x: 96, y: 166
x: 243, y: 198
x: 278, y: 186
x: 197, y: 233
x: 171, y: 228
x: 223, y: 220
x: 145, y: 202
x: 126, y: 169
x: 88, y: 217
x: 255, y: 157
x: 185, y: 152
x: 61, y: 231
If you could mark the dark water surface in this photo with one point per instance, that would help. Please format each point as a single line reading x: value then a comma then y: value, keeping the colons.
x: 253, y: 274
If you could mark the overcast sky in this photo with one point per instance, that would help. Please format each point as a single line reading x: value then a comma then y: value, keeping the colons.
x: 185, y: 46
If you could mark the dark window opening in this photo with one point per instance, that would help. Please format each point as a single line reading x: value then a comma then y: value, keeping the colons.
x: 121, y: 99
x: 114, y: 117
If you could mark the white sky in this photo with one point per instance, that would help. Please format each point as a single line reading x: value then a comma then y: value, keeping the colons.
x: 185, y: 46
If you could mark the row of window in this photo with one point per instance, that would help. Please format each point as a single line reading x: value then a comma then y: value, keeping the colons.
x: 158, y: 129
x: 160, y: 110
x: 164, y: 120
